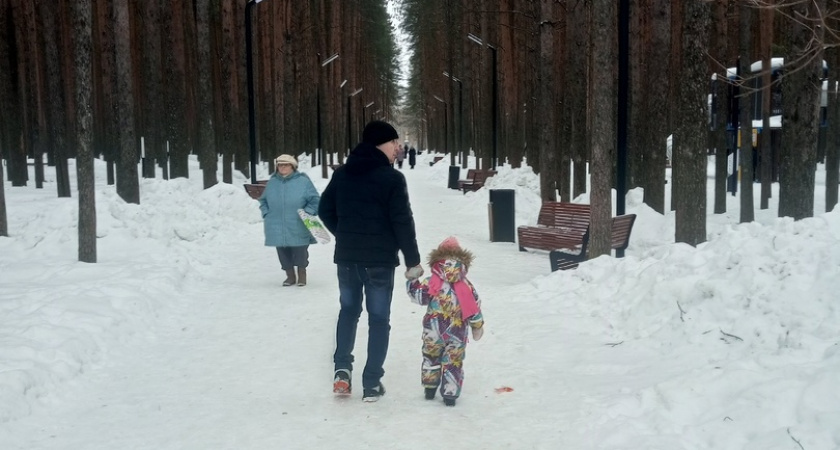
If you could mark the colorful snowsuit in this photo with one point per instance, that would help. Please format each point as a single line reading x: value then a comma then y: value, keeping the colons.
x: 444, y: 328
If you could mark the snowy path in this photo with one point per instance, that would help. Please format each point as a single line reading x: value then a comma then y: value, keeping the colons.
x: 181, y: 336
x: 241, y: 362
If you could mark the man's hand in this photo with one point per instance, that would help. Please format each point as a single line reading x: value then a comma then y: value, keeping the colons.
x: 414, y: 272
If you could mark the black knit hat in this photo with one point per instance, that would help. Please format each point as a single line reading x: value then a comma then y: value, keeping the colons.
x: 378, y: 132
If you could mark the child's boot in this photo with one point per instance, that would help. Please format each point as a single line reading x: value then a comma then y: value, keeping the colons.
x: 301, y: 280
x: 449, y: 401
x: 430, y: 393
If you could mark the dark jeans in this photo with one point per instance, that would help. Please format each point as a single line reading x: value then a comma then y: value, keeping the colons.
x: 378, y: 286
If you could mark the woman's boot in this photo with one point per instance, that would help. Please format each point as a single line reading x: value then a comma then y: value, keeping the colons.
x: 290, y: 277
x: 301, y: 281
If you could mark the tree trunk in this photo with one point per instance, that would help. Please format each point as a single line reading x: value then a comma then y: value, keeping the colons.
x: 128, y: 184
x: 175, y: 111
x: 721, y: 90
x: 801, y: 93
x: 655, y: 88
x: 17, y: 153
x: 545, y: 111
x: 690, y: 141
x: 576, y: 88
x: 745, y: 113
x: 206, y: 141
x: 4, y: 223
x: 228, y: 87
x: 766, y: 151
x: 81, y: 13
x: 10, y: 117
x: 674, y: 85
x: 832, y: 151
x: 54, y: 28
x: 34, y: 110
x: 150, y: 100
x: 105, y: 138
x: 603, y: 133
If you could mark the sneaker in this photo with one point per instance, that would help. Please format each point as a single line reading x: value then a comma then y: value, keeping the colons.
x: 449, y: 401
x: 430, y: 393
x: 341, y: 383
x: 373, y: 394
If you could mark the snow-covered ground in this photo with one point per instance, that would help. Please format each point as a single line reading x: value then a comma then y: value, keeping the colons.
x: 182, y: 337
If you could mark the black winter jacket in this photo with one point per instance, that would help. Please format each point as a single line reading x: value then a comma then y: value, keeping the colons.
x: 366, y: 207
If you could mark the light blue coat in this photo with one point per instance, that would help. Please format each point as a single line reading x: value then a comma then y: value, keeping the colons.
x: 279, y: 204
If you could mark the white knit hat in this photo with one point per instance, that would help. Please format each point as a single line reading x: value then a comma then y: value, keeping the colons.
x: 286, y: 159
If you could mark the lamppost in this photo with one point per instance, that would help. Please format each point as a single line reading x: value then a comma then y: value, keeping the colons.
x: 338, y: 114
x: 249, y: 63
x: 322, y: 152
x: 464, y: 157
x: 349, y: 121
x: 364, y: 113
x: 445, y: 123
x: 494, y: 95
x: 454, y: 171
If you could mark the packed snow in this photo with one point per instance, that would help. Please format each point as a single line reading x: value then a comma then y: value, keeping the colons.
x: 182, y: 337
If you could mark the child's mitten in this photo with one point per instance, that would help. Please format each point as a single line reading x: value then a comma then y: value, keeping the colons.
x: 477, y: 333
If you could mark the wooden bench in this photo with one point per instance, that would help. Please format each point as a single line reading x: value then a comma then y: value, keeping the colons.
x: 434, y: 160
x: 469, y: 179
x: 255, y: 190
x: 621, y: 228
x: 560, y: 225
x: 476, y: 182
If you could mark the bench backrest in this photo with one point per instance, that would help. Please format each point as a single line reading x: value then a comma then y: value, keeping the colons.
x: 574, y: 216
x: 621, y: 228
x: 480, y: 176
x: 470, y: 174
x: 255, y: 190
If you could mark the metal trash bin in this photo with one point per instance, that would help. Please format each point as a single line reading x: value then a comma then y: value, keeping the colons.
x: 454, y: 174
x: 502, y: 212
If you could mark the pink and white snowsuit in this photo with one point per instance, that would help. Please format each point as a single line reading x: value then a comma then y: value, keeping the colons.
x: 447, y: 294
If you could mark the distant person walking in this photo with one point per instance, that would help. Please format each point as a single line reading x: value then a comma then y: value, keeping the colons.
x: 366, y: 207
x: 401, y: 151
x: 412, y: 157
x: 288, y: 191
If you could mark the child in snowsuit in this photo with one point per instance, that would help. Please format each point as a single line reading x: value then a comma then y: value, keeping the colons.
x: 452, y: 307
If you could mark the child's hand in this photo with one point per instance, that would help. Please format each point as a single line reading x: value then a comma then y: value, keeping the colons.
x: 414, y: 272
x: 477, y: 333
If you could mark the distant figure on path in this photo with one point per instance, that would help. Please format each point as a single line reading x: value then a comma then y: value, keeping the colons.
x: 412, y: 157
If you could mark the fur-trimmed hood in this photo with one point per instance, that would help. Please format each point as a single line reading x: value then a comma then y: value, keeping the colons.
x: 459, y: 254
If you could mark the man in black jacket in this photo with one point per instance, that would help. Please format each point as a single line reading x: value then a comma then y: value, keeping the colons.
x: 366, y: 207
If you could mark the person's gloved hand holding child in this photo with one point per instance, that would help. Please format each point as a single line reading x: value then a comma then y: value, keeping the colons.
x: 414, y: 272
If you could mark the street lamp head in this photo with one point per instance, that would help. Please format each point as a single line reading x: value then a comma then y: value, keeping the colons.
x: 455, y: 79
x: 342, y: 84
x: 355, y: 92
x: 329, y: 60
x: 369, y: 105
x: 475, y: 39
x: 439, y: 99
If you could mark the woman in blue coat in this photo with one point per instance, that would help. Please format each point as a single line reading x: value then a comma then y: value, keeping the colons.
x: 286, y: 192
